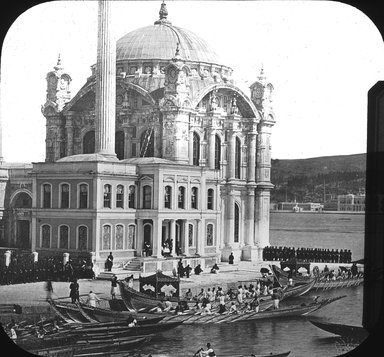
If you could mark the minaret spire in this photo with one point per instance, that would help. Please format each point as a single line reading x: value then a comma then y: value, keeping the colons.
x: 105, y: 83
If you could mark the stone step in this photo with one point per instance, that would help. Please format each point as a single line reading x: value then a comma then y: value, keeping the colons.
x: 120, y: 273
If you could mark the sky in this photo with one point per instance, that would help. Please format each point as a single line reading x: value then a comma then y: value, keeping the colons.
x: 321, y: 56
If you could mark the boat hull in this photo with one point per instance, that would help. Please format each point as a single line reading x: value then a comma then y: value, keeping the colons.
x: 352, y: 332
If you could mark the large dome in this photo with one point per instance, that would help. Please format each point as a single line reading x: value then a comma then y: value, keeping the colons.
x: 159, y: 42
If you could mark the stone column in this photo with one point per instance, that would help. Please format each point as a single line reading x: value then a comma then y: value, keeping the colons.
x: 200, y: 236
x: 185, y: 237
x: 231, y: 156
x: 105, y: 83
x: 262, y: 217
x: 249, y: 216
x: 211, y: 149
x: 69, y: 129
x: 127, y: 144
x: 156, y: 237
x: 230, y: 219
x: 172, y: 236
x: 140, y: 237
x: 251, y: 169
x: 190, y: 148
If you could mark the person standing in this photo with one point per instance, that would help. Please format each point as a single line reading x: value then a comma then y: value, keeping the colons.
x: 92, y: 299
x: 49, y: 289
x: 74, y: 291
x: 231, y: 258
x: 109, y: 262
x: 113, y: 287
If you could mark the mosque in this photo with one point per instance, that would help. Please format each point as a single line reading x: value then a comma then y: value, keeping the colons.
x: 159, y: 145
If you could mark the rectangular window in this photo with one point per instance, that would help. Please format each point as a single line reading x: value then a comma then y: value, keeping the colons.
x: 64, y: 202
x: 46, y: 196
x: 120, y: 196
x: 107, y: 196
x: 83, y: 196
x: 147, y: 197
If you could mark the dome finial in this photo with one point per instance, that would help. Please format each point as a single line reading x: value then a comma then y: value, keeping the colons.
x: 163, y: 13
x: 59, y: 60
x: 177, y: 56
x: 58, y: 66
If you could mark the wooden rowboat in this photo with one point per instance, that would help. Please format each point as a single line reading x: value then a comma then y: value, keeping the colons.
x: 281, y: 354
x: 137, y: 300
x: 356, y: 333
x: 296, y: 310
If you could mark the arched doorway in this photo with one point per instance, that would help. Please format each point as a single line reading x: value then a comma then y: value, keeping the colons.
x: 147, y: 228
x: 22, y: 204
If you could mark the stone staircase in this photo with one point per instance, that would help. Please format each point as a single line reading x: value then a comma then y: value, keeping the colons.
x: 131, y: 267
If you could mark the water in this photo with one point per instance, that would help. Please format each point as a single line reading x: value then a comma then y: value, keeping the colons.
x: 341, y: 231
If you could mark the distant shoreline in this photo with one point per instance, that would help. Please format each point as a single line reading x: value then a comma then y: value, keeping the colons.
x: 321, y: 212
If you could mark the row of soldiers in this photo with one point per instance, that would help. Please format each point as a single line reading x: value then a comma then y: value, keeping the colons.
x: 274, y: 253
x: 22, y: 269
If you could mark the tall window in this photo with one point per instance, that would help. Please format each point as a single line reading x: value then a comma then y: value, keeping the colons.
x: 209, y: 235
x: 83, y: 238
x: 64, y: 196
x: 147, y: 197
x: 119, y: 236
x: 196, y: 149
x: 64, y: 237
x: 120, y: 196
x: 147, y: 148
x: 131, y: 237
x: 119, y: 145
x: 237, y: 224
x: 106, y: 239
x: 167, y: 196
x: 107, y: 196
x: 190, y: 235
x: 47, y: 195
x: 45, y: 236
x: 181, y: 197
x: 210, y: 198
x: 131, y: 196
x: 89, y: 142
x: 217, y: 152
x: 237, y: 158
x: 83, y: 196
x: 194, y: 197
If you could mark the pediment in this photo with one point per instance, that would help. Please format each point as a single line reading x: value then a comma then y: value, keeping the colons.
x: 146, y: 178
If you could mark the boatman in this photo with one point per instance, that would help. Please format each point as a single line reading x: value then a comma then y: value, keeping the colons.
x: 209, y: 352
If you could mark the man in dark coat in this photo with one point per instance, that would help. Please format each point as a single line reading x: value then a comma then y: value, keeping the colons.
x: 109, y: 262
x: 231, y: 258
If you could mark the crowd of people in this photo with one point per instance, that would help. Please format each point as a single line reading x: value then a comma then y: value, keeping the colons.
x: 23, y: 269
x: 274, y: 253
x: 244, y: 298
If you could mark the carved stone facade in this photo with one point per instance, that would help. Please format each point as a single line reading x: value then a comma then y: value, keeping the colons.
x: 192, y: 146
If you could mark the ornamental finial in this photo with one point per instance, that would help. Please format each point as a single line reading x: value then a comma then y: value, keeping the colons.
x: 163, y: 13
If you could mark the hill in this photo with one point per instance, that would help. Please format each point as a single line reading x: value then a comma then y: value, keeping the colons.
x: 318, y: 179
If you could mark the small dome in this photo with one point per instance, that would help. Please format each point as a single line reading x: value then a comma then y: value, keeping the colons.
x: 87, y: 158
x: 159, y: 42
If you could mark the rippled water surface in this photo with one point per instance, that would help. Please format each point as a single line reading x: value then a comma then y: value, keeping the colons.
x: 298, y: 335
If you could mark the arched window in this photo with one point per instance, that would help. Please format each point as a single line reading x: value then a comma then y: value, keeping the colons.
x: 237, y: 224
x: 107, y: 196
x: 63, y: 237
x: 194, y: 199
x: 119, y: 236
x: 209, y: 235
x: 131, y: 196
x: 22, y: 200
x: 47, y: 190
x: 167, y: 196
x: 196, y: 149
x: 120, y: 196
x: 82, y: 236
x: 181, y: 197
x: 64, y: 195
x: 83, y: 196
x: 119, y: 145
x: 237, y: 158
x: 190, y: 235
x: 45, y: 236
x: 106, y: 238
x: 89, y: 142
x: 210, y: 198
x: 147, y: 148
x: 131, y: 236
x: 217, y: 152
x: 147, y: 197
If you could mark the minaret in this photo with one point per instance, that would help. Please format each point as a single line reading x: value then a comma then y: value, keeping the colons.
x: 105, y: 83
